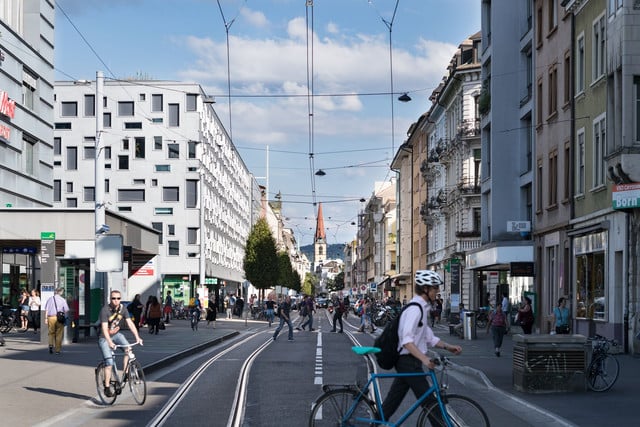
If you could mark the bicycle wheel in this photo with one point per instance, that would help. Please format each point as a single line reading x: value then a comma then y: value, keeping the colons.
x: 107, y: 400
x: 332, y: 407
x: 462, y: 411
x: 602, y: 373
x: 137, y: 383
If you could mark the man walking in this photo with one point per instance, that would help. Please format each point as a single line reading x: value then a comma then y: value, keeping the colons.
x: 310, y: 303
x: 338, y: 311
x: 285, y: 310
x: 54, y: 305
x: 168, y: 307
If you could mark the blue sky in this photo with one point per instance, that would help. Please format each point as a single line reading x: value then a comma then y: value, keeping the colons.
x: 352, y: 141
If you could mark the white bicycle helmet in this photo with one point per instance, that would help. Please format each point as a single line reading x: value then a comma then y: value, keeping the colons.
x: 428, y: 278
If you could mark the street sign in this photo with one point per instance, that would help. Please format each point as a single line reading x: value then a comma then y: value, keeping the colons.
x: 47, y: 235
x: 626, y: 196
x: 518, y: 226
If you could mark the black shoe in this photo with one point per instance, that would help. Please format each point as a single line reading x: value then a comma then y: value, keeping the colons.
x: 340, y: 332
x: 125, y: 378
x: 50, y: 350
x: 311, y: 329
x: 333, y: 330
x: 274, y: 338
x: 108, y: 392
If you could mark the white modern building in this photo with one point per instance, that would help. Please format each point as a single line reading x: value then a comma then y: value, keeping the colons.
x: 169, y: 164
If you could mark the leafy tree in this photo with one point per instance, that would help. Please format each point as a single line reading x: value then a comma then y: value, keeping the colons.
x: 310, y: 283
x: 261, y: 265
x: 285, y: 272
x: 338, y: 282
x: 297, y: 281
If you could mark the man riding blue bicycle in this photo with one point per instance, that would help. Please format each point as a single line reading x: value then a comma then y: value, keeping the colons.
x: 111, y: 317
x: 195, y: 307
x: 415, y: 337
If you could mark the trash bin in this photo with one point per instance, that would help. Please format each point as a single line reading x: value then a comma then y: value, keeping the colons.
x: 469, y: 325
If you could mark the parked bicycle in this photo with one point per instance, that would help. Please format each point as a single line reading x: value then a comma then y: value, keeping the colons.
x: 133, y: 375
x: 350, y: 405
x: 603, y: 369
x: 10, y: 319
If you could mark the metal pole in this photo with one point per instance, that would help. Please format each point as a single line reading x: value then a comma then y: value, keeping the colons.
x: 99, y: 156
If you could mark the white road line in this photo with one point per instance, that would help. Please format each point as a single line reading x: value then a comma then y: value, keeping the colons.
x: 318, y: 372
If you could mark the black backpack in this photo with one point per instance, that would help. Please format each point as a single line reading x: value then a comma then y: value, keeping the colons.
x: 388, y: 341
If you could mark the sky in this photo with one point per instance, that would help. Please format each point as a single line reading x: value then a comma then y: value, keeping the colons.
x: 279, y: 52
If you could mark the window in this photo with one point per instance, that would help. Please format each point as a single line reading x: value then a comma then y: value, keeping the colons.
x: 538, y: 101
x: 567, y: 79
x: 154, y: 182
x: 107, y: 186
x: 539, y: 184
x: 580, y: 64
x: 156, y: 103
x: 133, y: 125
x: 163, y: 211
x: 69, y: 186
x: 590, y: 290
x: 599, y: 48
x: 580, y: 167
x: 173, y: 247
x: 29, y: 87
x: 125, y: 209
x: 163, y: 168
x: 192, y: 193
x: 174, y: 115
x: 170, y: 194
x: 599, y: 150
x: 158, y: 227
x: 125, y: 144
x: 89, y: 194
x: 192, y: 236
x: 191, y: 149
x: 72, y: 158
x: 107, y: 152
x: 29, y: 155
x: 539, y: 32
x: 57, y: 190
x: 157, y: 120
x: 136, y: 195
x: 106, y: 120
x: 142, y: 97
x: 553, y: 15
x: 553, y: 90
x: 125, y: 108
x: 567, y: 171
x: 89, y: 152
x: 123, y: 162
x: 139, y: 147
x: 173, y: 151
x: 90, y: 105
x: 553, y: 179
x: 69, y: 109
x: 171, y: 229
x: 157, y: 143
x: 636, y: 106
x: 138, y: 181
x: 72, y: 202
x: 614, y: 5
x: 192, y: 101
x: 57, y: 146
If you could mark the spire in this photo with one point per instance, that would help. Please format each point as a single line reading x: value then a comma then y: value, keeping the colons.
x: 320, y: 233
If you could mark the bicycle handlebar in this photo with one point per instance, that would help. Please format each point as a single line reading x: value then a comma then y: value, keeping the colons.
x: 127, y: 345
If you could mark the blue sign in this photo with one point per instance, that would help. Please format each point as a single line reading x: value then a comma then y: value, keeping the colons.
x: 22, y: 250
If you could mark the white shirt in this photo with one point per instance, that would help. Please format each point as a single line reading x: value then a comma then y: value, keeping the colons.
x: 409, y: 331
x: 505, y: 304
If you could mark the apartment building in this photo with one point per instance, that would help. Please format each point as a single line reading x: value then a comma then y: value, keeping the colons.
x: 451, y: 210
x: 504, y: 261
x: 169, y: 164
x: 26, y: 135
x: 552, y: 92
x: 400, y: 282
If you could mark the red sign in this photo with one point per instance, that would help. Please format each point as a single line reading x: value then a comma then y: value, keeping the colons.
x: 5, y: 131
x: 7, y: 106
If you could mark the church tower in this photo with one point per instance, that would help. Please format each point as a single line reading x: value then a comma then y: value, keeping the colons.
x: 320, y: 242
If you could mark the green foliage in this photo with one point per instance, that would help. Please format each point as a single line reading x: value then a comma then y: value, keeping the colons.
x: 285, y: 271
x: 338, y: 282
x: 261, y: 265
x: 310, y: 283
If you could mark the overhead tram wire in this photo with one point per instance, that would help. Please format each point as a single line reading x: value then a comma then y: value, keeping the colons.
x: 310, y: 105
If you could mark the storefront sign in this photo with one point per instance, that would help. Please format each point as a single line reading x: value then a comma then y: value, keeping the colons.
x: 626, y: 196
x: 145, y: 270
x: 7, y: 106
x: 521, y: 269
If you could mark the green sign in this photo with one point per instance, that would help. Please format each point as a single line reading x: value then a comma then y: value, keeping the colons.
x: 210, y: 281
x: 47, y: 235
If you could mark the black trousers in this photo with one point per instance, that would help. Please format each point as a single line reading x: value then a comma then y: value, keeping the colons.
x: 337, y: 317
x: 400, y: 386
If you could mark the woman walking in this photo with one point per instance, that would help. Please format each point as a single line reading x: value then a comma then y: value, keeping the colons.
x: 498, y: 325
x: 525, y: 316
x: 560, y: 317
x: 34, y: 310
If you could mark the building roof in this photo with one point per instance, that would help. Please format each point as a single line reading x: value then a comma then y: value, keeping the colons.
x: 320, y: 232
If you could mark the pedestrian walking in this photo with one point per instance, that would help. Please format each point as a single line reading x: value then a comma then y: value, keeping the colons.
x: 525, y: 316
x: 311, y: 308
x: 302, y: 312
x: 498, y: 325
x: 168, y: 307
x: 506, y: 308
x: 154, y: 314
x: 54, y: 305
x: 135, y: 308
x: 23, y: 303
x: 285, y: 311
x: 211, y: 311
x: 560, y: 318
x: 339, y: 309
x: 269, y: 307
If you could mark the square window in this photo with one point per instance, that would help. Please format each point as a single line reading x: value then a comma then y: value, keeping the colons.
x: 69, y: 109
x: 125, y: 108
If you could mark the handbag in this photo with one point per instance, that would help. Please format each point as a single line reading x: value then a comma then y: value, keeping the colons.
x: 562, y: 329
x: 61, y: 317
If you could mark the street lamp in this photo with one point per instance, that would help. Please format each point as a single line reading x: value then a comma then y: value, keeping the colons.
x: 320, y: 172
x: 404, y: 97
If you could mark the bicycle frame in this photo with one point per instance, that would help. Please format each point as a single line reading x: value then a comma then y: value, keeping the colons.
x: 373, y: 381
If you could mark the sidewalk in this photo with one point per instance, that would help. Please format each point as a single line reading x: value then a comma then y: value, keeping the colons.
x: 587, y: 408
x: 32, y: 391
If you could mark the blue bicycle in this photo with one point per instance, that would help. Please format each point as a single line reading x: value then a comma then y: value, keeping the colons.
x: 350, y: 405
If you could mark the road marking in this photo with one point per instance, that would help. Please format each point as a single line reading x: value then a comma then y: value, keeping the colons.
x: 318, y: 370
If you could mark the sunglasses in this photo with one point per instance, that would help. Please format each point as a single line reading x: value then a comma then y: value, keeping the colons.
x: 115, y: 298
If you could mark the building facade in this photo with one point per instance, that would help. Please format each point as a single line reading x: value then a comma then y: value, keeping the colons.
x: 170, y: 164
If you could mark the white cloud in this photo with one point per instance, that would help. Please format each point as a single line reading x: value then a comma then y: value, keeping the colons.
x: 255, y: 18
x: 332, y: 28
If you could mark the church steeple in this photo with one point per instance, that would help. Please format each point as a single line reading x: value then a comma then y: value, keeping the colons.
x: 320, y: 242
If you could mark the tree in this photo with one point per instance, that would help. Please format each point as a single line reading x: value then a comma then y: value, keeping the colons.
x: 338, y: 281
x: 285, y: 276
x: 310, y: 283
x: 261, y: 258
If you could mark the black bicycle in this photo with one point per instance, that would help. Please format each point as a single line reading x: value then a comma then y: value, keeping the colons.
x: 603, y: 369
x: 133, y: 375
